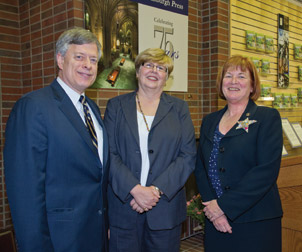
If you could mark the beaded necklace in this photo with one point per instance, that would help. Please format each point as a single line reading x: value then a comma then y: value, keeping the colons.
x: 140, y: 108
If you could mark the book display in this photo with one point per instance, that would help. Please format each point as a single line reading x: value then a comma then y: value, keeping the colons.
x: 278, y: 61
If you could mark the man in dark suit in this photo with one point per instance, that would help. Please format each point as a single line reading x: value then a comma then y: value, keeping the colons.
x: 56, y: 156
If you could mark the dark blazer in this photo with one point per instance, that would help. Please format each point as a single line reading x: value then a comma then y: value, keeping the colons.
x: 248, y: 165
x: 56, y: 184
x: 172, y: 154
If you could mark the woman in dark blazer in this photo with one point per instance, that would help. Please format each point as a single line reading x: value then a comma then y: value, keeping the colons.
x: 152, y: 153
x: 238, y: 162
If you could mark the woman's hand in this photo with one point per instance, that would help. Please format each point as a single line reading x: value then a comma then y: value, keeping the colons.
x: 212, y: 210
x: 135, y: 206
x: 221, y: 224
x: 145, y: 197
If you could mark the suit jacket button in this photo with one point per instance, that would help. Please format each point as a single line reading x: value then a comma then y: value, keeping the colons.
x: 150, y: 172
x: 222, y: 169
x: 151, y: 151
x: 221, y: 149
x: 227, y: 187
x: 100, y: 212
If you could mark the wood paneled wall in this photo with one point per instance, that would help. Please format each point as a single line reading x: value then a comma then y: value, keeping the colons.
x: 261, y: 16
x: 290, y: 187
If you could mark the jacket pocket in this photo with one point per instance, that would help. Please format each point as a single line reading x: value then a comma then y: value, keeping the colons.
x: 60, y: 214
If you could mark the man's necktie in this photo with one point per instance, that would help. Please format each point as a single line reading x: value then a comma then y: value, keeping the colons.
x: 89, y: 122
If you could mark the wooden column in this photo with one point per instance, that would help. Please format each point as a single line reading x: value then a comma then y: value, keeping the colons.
x: 290, y: 186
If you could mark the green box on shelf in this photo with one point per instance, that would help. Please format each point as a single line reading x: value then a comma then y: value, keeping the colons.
x: 294, y: 100
x: 297, y: 52
x: 266, y: 90
x: 300, y: 73
x: 278, y: 101
x: 260, y: 42
x: 257, y: 63
x: 269, y: 44
x: 286, y: 100
x: 265, y: 66
x: 250, y: 40
x: 300, y: 94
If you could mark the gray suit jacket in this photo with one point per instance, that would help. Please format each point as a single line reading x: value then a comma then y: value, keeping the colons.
x: 172, y: 153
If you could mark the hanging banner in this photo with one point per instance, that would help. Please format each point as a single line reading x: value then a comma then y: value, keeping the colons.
x: 164, y: 24
x: 177, y: 6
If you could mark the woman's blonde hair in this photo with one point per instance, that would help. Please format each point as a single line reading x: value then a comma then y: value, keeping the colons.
x: 243, y: 63
x: 155, y: 55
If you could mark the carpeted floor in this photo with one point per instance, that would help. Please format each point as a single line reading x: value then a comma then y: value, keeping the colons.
x: 192, y: 244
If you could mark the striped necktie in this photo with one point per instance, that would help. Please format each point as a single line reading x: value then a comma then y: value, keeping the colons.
x: 89, y: 122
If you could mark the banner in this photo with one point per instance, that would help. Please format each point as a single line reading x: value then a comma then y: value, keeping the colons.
x: 167, y: 29
x: 177, y: 6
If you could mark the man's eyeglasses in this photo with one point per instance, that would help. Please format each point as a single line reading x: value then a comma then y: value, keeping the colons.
x: 158, y: 67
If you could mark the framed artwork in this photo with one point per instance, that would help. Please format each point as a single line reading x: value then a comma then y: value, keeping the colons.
x: 118, y: 36
x: 298, y: 130
x: 290, y: 133
x: 283, y: 51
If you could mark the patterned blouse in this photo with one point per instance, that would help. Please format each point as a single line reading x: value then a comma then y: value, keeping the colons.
x: 213, y: 169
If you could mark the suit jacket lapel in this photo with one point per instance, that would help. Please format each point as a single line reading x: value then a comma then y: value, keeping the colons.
x: 130, y: 112
x: 66, y: 106
x: 248, y: 112
x: 163, y: 108
x: 209, y: 133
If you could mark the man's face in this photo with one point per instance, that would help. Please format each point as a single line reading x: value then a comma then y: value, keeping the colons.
x: 78, y: 68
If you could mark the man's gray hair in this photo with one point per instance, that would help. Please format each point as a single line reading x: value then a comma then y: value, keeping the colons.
x: 77, y: 36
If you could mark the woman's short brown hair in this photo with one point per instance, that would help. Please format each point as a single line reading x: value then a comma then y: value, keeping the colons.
x: 155, y: 55
x: 243, y: 63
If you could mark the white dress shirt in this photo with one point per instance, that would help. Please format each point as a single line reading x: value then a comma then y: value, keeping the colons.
x: 74, y: 97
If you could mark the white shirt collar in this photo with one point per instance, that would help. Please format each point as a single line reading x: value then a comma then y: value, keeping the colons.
x: 73, y: 95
